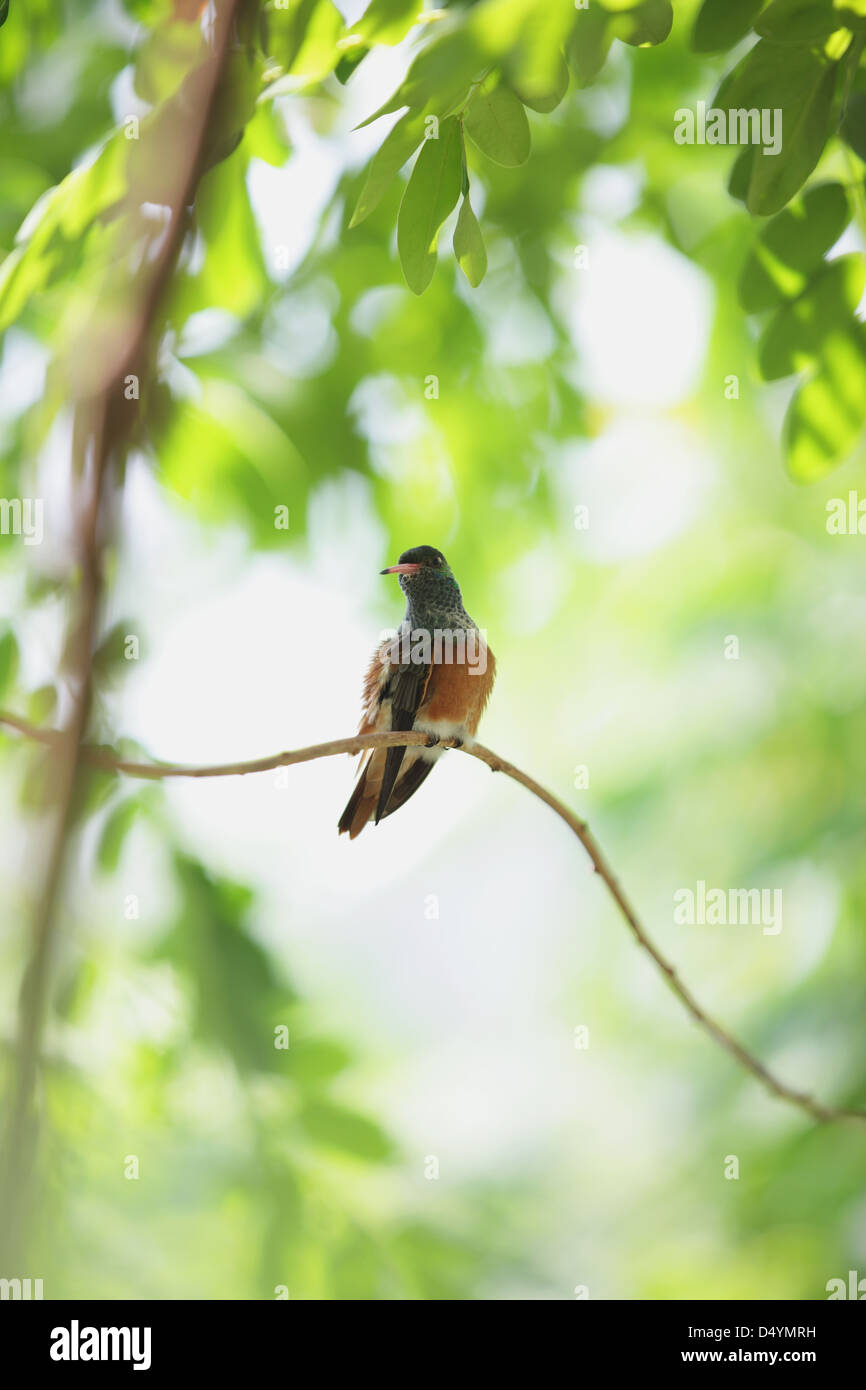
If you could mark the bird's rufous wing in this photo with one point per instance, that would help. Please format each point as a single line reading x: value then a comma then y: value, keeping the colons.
x: 405, y: 690
x: 391, y: 696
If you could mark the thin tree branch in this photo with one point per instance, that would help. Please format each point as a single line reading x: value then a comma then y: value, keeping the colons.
x: 101, y: 429
x: 360, y: 743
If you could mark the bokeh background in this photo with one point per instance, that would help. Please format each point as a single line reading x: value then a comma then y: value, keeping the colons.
x: 615, y: 514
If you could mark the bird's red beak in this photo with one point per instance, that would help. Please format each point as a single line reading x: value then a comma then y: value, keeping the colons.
x: 401, y: 569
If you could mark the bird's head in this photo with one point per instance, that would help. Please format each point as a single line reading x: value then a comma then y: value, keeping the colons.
x: 423, y: 570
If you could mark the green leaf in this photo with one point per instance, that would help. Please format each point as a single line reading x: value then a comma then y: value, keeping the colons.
x: 545, y: 101
x: 440, y: 1265
x: 496, y: 122
x: 238, y: 994
x: 225, y: 452
x: 799, y: 21
x: 92, y: 790
x: 439, y: 77
x: 110, y: 656
x: 528, y: 44
x: 41, y: 704
x: 523, y: 35
x: 469, y: 244
x: 590, y: 43
x: 792, y: 245
x: 337, y: 1128
x: 826, y: 417
x: 304, y: 37
x: 356, y: 1274
x: 8, y: 661
x: 810, y: 327
x: 387, y: 21
x: 741, y: 173
x: 4, y: 12
x: 349, y: 62
x: 720, y: 24
x: 314, y: 1061
x: 646, y: 25
x: 56, y: 228
x: 265, y: 136
x: 39, y: 783
x: 801, y: 88
x: 117, y: 825
x: 853, y: 127
x: 233, y: 275
x: 431, y: 193
x: 398, y: 146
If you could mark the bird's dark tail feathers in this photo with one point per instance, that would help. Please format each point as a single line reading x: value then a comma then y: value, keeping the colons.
x: 373, y: 798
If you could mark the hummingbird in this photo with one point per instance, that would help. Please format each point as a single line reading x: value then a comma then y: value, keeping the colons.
x: 436, y: 676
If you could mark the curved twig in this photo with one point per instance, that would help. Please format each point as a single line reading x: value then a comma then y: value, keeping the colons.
x: 106, y: 760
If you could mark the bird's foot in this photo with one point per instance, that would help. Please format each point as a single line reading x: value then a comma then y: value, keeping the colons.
x: 432, y: 741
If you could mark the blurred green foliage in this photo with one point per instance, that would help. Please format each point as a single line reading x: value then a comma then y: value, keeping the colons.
x: 477, y: 69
